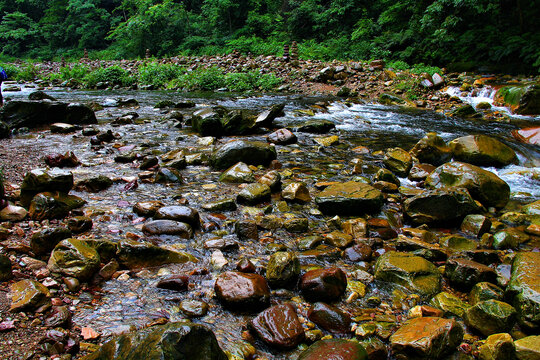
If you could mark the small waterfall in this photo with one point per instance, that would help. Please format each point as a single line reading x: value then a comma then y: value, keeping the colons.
x: 476, y: 96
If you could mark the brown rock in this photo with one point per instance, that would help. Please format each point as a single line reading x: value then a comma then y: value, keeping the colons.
x: 242, y: 291
x: 279, y: 326
x: 323, y: 284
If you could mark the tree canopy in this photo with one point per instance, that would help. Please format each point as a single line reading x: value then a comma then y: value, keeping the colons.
x: 439, y: 32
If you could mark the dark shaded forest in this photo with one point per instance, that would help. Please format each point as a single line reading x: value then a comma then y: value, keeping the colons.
x: 463, y: 34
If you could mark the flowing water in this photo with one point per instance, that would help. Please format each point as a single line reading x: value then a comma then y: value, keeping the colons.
x: 134, y: 301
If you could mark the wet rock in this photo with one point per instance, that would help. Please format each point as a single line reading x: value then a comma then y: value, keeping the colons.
x: 282, y: 137
x: 31, y: 114
x: 272, y: 179
x: 522, y: 100
x: 465, y: 273
x: 296, y: 192
x: 266, y: 118
x: 338, y: 239
x: 238, y: 122
x: 419, y: 172
x: 458, y: 243
x: 5, y: 268
x: 330, y: 318
x: 44, y: 241
x: 482, y: 150
x: 491, y: 317
x: 440, y: 205
x: 175, y: 159
x: 358, y: 252
x: 178, y: 340
x: 497, y: 347
x: 485, y: 291
x: 179, y: 213
x: 28, y: 295
x: 464, y: 111
x: 349, y: 198
x: 524, y: 288
x: 421, y: 248
x: 73, y: 257
x: 238, y: 173
x: 60, y: 316
x: 246, y: 230
x: 432, y: 149
x: 79, y: 224
x: 279, y: 326
x: 168, y: 227
x: 40, y: 95
x: 168, y: 176
x: 254, y: 193
x: 62, y: 128
x: 509, y: 239
x: 426, y: 338
x: 220, y: 205
x: 40, y: 180
x: 138, y: 255
x: 315, y: 126
x: 283, y: 269
x: 176, y: 283
x: 385, y: 175
x: 528, y: 348
x: 528, y: 135
x: 450, y: 304
x: 193, y: 308
x: 375, y: 348
x: 338, y: 349
x: 57, y: 205
x: 326, y: 285
x: 415, y: 273
x: 242, y: 291
x: 249, y: 152
x: 483, y: 185
x: 94, y: 184
x: 147, y: 208
x: 58, y: 341
x: 476, y: 225
x: 245, y: 266
x: 148, y: 162
x: 12, y: 213
x: 207, y: 122
x: 62, y: 160
x: 398, y: 161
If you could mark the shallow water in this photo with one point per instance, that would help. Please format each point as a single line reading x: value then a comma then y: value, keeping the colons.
x: 135, y: 301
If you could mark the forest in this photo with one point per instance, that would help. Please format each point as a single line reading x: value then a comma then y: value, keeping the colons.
x: 464, y: 34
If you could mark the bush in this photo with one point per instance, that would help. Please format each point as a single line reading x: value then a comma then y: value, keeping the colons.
x: 27, y: 72
x: 159, y: 75
x: 113, y: 75
x: 12, y: 71
x: 202, y: 79
x: 421, y: 68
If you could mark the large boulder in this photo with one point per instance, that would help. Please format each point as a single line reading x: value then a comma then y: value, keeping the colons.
x: 350, y: 198
x: 483, y: 185
x: 524, y: 288
x: 413, y: 272
x: 482, y: 150
x: 138, y: 255
x: 528, y: 348
x: 173, y: 341
x: 426, y: 338
x: 442, y: 205
x: 522, y: 100
x: 279, y: 326
x: 249, y: 152
x: 73, y: 257
x: 31, y: 114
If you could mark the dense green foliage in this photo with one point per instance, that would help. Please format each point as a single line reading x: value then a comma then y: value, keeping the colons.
x: 435, y: 32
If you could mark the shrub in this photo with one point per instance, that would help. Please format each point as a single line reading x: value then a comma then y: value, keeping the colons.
x: 159, y: 75
x: 113, y: 75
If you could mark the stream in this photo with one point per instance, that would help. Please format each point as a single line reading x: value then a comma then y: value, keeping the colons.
x: 133, y: 301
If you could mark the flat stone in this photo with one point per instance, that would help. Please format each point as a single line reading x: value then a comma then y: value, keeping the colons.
x: 238, y: 173
x: 426, y: 338
x: 183, y: 214
x: 350, y: 198
x: 528, y: 348
x: 482, y: 150
x: 415, y: 273
x: 138, y: 255
x: 168, y: 227
x: 253, y: 194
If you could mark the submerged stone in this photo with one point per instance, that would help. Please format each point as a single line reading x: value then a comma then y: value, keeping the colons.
x: 137, y: 255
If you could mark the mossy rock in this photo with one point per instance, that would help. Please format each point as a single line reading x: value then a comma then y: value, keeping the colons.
x: 491, y: 317
x: 522, y: 100
x: 350, y: 198
x: 524, y: 288
x: 482, y: 150
x: 137, y: 255
x: 73, y: 257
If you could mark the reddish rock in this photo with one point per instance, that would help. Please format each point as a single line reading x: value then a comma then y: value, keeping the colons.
x: 279, y: 326
x: 323, y: 284
x: 243, y: 291
x: 176, y: 283
x: 330, y: 318
x: 529, y: 135
x: 282, y: 137
x: 334, y: 349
